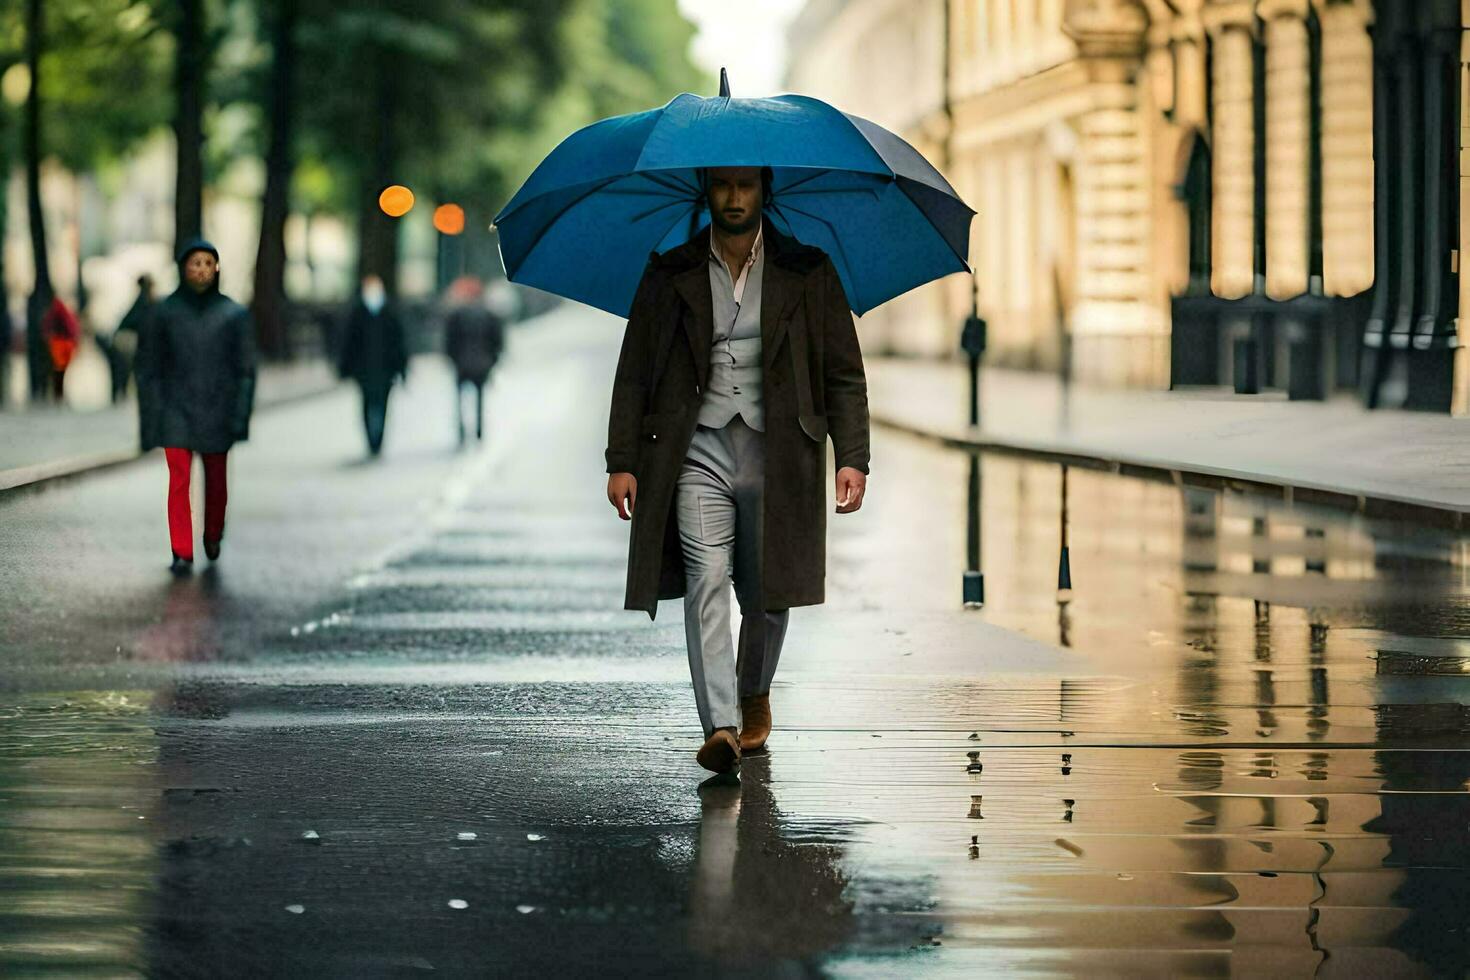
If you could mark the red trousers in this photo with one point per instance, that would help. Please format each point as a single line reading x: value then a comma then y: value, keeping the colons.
x: 180, y: 526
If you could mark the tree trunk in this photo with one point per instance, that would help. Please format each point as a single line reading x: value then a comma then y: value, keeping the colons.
x: 39, y: 357
x: 269, y: 299
x: 189, y: 65
x: 377, y: 233
x: 6, y: 326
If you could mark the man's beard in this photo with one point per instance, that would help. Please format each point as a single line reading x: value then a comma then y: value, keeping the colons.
x: 733, y: 229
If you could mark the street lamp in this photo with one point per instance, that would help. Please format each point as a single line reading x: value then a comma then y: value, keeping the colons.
x: 395, y: 200
x: 449, y: 219
x: 972, y: 342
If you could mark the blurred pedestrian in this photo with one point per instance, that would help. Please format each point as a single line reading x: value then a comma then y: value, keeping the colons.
x: 196, y: 386
x: 474, y: 336
x: 7, y: 338
x: 122, y: 346
x: 373, y: 354
x: 62, y: 331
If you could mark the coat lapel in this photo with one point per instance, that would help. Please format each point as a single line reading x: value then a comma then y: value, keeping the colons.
x: 692, y: 286
x: 779, y: 291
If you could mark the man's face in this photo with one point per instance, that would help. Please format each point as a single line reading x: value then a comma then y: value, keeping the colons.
x: 735, y: 198
x: 200, y: 268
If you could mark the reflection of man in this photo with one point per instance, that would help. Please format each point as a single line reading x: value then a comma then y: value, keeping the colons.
x: 756, y: 897
x: 739, y: 358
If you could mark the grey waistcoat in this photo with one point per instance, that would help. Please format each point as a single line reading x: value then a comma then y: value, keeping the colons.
x: 735, y: 358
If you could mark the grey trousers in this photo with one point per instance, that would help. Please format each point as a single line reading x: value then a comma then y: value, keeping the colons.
x: 719, y: 505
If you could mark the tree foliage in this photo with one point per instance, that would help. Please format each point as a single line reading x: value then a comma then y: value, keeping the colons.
x: 104, y: 66
x: 458, y: 98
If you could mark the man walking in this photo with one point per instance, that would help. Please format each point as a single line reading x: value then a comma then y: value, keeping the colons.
x: 374, y: 355
x: 739, y: 359
x: 196, y: 389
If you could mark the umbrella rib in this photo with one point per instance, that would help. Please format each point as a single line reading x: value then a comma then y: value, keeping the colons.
x: 591, y: 189
x: 665, y: 180
x: 831, y: 190
x: 807, y: 179
x: 836, y: 240
x: 963, y: 261
x: 652, y: 211
x: 635, y: 192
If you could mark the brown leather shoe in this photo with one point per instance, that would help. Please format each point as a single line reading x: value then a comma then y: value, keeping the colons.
x: 720, y: 752
x: 755, y: 722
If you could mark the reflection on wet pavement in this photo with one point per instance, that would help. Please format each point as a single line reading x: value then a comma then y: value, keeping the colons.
x: 1274, y: 776
x: 1238, y: 744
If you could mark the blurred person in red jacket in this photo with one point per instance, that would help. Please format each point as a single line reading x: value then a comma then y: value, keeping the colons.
x: 62, y: 331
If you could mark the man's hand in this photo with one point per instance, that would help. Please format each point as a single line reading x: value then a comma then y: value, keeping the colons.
x: 851, y: 484
x: 621, y: 488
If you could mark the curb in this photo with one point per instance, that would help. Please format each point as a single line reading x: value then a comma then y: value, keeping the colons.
x: 38, y: 476
x: 1419, y: 510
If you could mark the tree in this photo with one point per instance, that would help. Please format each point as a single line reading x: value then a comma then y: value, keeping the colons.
x: 268, y: 300
x: 395, y: 88
x: 40, y: 298
x: 619, y: 56
x: 7, y: 60
x: 190, y: 65
x: 78, y: 55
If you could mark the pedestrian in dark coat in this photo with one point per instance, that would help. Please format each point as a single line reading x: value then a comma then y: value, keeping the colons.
x: 474, y: 337
x: 373, y: 354
x: 713, y: 494
x: 196, y: 385
x: 122, y: 347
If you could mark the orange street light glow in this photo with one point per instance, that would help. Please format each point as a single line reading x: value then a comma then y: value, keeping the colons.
x: 449, y: 219
x: 396, y: 200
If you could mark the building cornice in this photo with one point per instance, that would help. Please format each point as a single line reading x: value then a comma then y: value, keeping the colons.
x: 1106, y: 28
x: 1221, y: 15
x: 1272, y: 9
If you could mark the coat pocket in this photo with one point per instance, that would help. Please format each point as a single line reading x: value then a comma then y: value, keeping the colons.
x: 660, y: 426
x: 815, y: 426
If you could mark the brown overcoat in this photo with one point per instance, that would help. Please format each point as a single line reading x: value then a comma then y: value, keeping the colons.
x: 813, y: 387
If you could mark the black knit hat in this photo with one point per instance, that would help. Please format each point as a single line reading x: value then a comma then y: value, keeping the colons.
x: 197, y: 245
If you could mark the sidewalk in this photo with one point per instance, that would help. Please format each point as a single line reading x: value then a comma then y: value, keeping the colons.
x: 46, y: 443
x: 1333, y: 450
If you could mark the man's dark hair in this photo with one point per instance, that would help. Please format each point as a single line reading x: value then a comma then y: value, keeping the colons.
x: 768, y: 177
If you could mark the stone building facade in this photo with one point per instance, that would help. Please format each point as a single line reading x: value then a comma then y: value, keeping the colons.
x: 1262, y: 193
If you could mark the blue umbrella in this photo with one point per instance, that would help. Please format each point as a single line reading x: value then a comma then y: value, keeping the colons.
x: 583, y: 224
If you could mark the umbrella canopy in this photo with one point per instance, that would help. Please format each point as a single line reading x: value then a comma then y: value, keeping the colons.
x: 583, y: 224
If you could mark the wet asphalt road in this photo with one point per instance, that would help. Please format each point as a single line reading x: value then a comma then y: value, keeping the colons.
x: 405, y: 727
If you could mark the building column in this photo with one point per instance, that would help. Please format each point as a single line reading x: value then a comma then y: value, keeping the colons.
x: 1288, y: 146
x: 1410, y: 336
x: 1114, y: 325
x: 1347, y: 147
x: 1191, y: 87
x: 1175, y: 112
x: 1231, y: 26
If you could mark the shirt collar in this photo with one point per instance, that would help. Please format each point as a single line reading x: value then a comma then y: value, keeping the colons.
x: 755, y: 251
x: 714, y: 252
